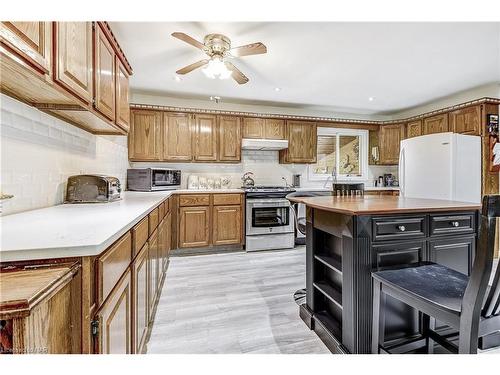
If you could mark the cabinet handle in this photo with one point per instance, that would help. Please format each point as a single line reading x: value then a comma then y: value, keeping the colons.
x: 455, y: 224
x: 401, y: 228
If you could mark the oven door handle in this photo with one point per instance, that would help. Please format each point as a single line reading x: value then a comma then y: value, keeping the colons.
x: 274, y: 204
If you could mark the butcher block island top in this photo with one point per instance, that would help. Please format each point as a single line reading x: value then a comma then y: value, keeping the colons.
x: 369, y: 205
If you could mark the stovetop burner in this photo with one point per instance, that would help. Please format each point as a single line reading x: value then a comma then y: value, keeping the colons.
x: 268, y: 191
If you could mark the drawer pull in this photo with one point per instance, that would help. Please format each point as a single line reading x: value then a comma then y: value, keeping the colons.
x: 455, y: 224
x: 401, y: 228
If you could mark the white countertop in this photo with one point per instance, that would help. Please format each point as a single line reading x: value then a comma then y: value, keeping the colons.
x: 369, y: 188
x: 73, y: 230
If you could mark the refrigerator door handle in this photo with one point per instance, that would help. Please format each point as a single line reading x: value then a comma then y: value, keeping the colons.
x: 402, y: 172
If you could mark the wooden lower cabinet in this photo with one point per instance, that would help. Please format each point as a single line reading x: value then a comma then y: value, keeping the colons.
x: 194, y: 226
x: 226, y: 225
x: 140, y: 299
x: 153, y: 271
x: 114, y: 334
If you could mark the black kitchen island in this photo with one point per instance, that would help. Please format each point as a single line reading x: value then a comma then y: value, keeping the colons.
x: 348, y: 237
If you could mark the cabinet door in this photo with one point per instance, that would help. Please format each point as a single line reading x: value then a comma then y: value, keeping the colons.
x: 466, y: 120
x: 115, y: 318
x: 226, y: 225
x: 177, y: 137
x: 455, y: 253
x: 229, y: 138
x: 153, y: 270
x: 414, y: 129
x: 436, y: 124
x: 145, y: 135
x: 302, y: 140
x: 73, y: 58
x: 390, y: 137
x: 194, y: 226
x: 104, y: 74
x: 274, y: 129
x: 31, y: 40
x: 205, y: 138
x: 140, y: 298
x: 253, y: 127
x: 122, y: 96
x: 401, y: 319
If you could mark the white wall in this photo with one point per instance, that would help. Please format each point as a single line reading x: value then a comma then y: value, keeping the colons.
x: 491, y: 90
x: 142, y: 98
x: 39, y: 152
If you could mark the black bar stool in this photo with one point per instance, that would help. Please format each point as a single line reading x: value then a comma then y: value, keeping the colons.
x: 348, y: 189
x: 466, y: 304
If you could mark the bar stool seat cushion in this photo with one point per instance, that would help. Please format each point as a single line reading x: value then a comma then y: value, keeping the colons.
x: 434, y: 283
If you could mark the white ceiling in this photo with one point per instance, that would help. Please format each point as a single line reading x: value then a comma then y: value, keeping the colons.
x: 332, y: 65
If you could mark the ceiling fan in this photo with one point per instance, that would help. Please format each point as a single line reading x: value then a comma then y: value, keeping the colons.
x: 218, y: 48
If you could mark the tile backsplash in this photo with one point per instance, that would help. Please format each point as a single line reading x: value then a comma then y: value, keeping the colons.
x: 39, y: 153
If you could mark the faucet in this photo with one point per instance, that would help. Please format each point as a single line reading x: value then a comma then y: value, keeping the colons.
x: 286, y: 183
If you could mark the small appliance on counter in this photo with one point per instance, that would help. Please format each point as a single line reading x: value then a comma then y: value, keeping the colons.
x: 153, y: 179
x: 92, y: 188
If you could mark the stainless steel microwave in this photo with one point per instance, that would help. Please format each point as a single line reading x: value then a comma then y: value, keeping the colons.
x: 153, y: 179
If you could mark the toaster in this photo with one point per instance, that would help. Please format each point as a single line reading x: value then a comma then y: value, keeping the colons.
x: 92, y: 188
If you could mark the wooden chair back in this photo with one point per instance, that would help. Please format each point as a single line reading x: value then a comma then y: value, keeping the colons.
x: 348, y: 190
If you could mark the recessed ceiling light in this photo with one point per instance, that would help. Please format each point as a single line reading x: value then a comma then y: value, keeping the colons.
x: 371, y: 98
x: 277, y: 89
x: 177, y: 78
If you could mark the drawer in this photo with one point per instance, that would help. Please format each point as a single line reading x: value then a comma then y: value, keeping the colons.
x: 111, y: 266
x: 140, y: 234
x: 387, y: 228
x: 225, y: 199
x: 194, y: 200
x: 153, y: 220
x: 447, y: 224
x: 161, y: 211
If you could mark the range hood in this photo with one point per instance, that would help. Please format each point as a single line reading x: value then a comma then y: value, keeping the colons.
x: 264, y: 144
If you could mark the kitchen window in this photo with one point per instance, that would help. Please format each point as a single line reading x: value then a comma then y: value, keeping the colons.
x: 344, y: 151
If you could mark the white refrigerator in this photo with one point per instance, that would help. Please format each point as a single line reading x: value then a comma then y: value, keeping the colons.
x: 441, y: 166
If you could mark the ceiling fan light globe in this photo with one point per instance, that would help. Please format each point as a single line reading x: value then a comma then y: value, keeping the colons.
x: 217, y: 69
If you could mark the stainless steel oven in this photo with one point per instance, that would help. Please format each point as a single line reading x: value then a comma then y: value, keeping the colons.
x: 269, y: 219
x: 268, y: 215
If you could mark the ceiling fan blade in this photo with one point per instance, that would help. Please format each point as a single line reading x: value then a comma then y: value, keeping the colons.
x: 192, y: 67
x: 237, y: 75
x: 249, y: 49
x: 186, y: 38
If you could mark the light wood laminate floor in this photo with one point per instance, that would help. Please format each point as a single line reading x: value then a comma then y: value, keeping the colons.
x: 233, y: 303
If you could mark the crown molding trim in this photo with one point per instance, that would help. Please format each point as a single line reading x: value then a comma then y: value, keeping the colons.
x: 485, y: 100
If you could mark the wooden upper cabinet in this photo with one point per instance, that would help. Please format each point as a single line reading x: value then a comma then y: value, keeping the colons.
x: 122, y: 105
x: 145, y: 135
x: 104, y: 73
x: 302, y: 140
x: 115, y: 320
x: 226, y: 225
x: 414, y: 129
x: 390, y: 137
x: 274, y: 128
x: 436, y: 124
x: 73, y: 58
x: 205, y: 137
x: 466, y: 120
x: 253, y: 127
x: 229, y: 138
x: 177, y: 137
x: 31, y: 40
